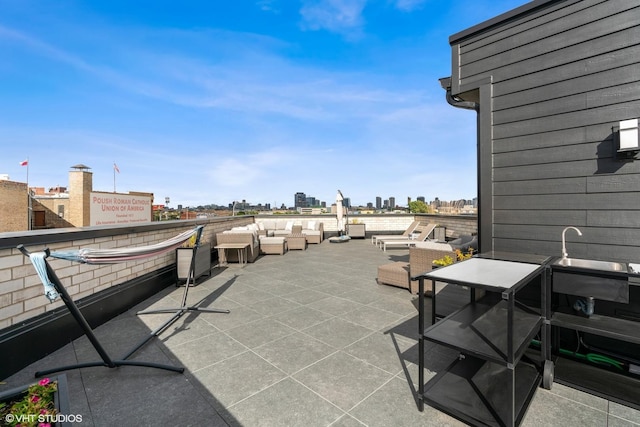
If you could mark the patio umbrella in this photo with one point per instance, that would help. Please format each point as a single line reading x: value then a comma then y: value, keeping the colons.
x: 340, y: 213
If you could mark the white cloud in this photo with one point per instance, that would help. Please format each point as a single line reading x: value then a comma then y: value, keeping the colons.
x: 336, y: 16
x: 408, y: 5
x: 248, y: 122
x: 268, y: 6
x: 280, y: 88
x: 44, y: 49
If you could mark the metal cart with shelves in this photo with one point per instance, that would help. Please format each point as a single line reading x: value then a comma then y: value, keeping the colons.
x: 489, y: 383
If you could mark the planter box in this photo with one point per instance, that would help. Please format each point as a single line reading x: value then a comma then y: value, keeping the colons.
x: 63, y: 417
x: 203, y: 261
x: 356, y: 230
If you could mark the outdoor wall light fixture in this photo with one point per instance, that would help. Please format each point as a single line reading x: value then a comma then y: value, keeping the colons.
x: 627, y: 139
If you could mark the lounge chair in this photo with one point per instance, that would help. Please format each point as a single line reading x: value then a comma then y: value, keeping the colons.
x: 406, y: 233
x: 413, y: 235
x: 407, y: 242
x: 421, y: 257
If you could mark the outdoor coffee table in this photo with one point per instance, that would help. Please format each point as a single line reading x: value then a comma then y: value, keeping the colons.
x: 297, y: 241
x: 240, y: 247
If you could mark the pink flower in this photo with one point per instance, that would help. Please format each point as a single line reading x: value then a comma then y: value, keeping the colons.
x: 44, y: 381
x: 44, y: 425
x: 34, y: 399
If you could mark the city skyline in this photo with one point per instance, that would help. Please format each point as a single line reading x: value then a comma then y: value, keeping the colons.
x: 383, y: 203
x: 208, y: 102
x: 310, y: 201
x: 378, y: 203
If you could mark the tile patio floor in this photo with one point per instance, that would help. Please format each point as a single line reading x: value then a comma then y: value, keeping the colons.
x: 311, y: 340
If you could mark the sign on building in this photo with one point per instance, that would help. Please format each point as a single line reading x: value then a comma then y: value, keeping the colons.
x: 114, y: 209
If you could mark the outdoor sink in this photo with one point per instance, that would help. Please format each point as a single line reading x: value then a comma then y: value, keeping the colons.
x: 591, y: 264
x: 602, y: 280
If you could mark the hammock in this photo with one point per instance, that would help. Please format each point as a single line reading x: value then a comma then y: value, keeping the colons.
x: 54, y: 288
x: 106, y: 256
x: 112, y: 256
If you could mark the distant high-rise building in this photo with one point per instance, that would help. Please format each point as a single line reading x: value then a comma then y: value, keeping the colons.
x: 392, y: 203
x: 378, y: 202
x: 346, y: 202
x: 420, y: 199
x: 300, y: 200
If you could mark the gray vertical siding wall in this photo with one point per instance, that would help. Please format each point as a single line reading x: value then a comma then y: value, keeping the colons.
x: 562, y: 74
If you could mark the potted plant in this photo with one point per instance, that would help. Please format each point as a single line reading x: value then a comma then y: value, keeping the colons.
x: 447, y: 260
x: 43, y: 404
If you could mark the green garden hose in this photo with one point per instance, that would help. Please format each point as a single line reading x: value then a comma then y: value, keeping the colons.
x: 590, y: 357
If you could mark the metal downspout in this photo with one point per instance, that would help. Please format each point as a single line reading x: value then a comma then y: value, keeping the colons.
x: 454, y: 100
x: 475, y: 106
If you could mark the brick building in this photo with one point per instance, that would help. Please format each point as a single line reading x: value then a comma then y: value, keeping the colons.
x: 14, y: 204
x: 59, y: 207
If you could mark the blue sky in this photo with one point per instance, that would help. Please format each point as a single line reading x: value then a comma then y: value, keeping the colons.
x: 214, y: 101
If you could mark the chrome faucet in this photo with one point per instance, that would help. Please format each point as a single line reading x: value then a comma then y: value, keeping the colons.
x: 564, y: 246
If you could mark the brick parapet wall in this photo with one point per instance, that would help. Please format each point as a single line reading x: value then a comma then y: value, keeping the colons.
x: 21, y: 291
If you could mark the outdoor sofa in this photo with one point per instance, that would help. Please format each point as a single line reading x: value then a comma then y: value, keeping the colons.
x: 312, y: 230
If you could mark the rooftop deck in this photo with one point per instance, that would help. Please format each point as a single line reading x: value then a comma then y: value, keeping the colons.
x: 311, y: 340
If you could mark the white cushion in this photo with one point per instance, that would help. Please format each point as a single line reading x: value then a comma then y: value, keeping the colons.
x: 269, y: 225
x: 289, y: 226
x: 434, y: 245
x: 261, y: 226
x: 311, y: 225
x: 240, y: 231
